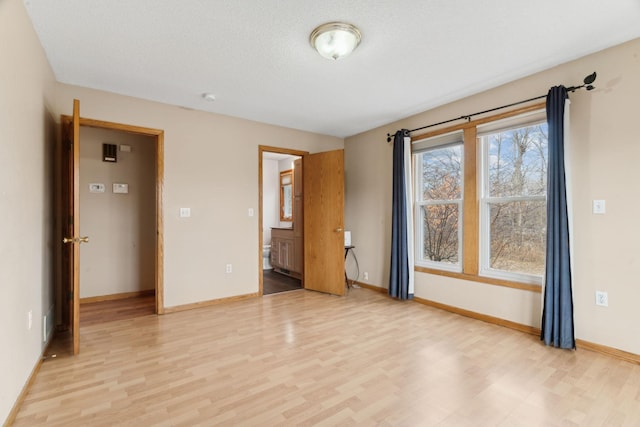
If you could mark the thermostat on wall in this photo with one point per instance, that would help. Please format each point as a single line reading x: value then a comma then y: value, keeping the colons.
x: 120, y: 188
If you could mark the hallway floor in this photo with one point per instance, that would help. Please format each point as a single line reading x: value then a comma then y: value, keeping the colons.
x: 273, y: 283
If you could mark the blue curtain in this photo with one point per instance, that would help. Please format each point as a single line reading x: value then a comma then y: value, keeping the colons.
x: 557, y: 315
x: 401, y: 274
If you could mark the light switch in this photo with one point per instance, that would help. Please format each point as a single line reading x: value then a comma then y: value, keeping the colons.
x: 599, y: 207
x: 120, y: 188
x: 250, y: 211
x: 96, y: 188
x: 185, y: 212
x: 125, y: 148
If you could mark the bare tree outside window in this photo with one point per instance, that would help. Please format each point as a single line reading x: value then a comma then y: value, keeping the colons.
x: 515, y: 201
x: 509, y: 217
x: 440, y: 202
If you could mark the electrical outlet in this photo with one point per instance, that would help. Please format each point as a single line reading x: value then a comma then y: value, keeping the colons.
x: 365, y: 276
x: 602, y: 298
x: 229, y: 268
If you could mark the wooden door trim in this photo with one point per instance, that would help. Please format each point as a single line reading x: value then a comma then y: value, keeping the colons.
x: 75, y: 140
x: 102, y: 124
x: 269, y: 149
x: 159, y: 141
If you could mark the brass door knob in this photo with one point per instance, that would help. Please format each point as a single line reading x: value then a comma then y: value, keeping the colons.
x: 84, y: 239
x: 338, y: 230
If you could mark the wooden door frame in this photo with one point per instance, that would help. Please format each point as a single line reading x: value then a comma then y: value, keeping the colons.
x: 158, y: 136
x: 262, y: 149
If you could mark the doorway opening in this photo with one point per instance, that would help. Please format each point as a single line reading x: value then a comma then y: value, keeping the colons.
x: 117, y: 205
x: 281, y: 219
x: 68, y: 295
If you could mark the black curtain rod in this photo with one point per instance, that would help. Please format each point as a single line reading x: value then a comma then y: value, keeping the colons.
x: 587, y: 84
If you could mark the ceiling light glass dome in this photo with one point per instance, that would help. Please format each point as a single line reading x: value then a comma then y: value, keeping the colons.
x: 335, y: 40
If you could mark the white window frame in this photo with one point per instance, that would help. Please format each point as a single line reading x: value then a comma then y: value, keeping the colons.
x: 485, y: 270
x: 422, y: 146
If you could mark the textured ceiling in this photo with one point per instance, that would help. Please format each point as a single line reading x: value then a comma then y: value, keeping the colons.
x: 256, y: 58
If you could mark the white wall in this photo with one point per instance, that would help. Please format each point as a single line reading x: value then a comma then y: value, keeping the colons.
x: 270, y: 198
x: 211, y: 166
x: 120, y: 255
x: 605, y: 151
x: 27, y: 181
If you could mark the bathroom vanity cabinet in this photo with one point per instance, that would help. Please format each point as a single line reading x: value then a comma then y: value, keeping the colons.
x: 283, y: 251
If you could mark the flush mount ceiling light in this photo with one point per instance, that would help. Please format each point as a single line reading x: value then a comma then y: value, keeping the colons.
x: 335, y: 40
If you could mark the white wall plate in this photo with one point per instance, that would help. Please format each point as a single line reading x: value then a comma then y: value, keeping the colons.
x: 96, y: 188
x: 120, y: 188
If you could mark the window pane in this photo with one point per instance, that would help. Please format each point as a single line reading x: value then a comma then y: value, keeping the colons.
x: 517, y: 236
x: 440, y: 228
x: 518, y: 162
x: 442, y: 173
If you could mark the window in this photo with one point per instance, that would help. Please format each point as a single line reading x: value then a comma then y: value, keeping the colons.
x: 513, y: 202
x: 438, y: 166
x: 494, y: 172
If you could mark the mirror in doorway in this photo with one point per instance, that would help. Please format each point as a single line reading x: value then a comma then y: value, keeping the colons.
x: 286, y: 195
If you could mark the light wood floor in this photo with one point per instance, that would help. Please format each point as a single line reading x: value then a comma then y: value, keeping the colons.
x: 305, y: 358
x: 119, y: 309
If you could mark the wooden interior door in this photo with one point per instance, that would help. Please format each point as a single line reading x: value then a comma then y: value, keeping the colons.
x: 71, y: 224
x: 323, y: 176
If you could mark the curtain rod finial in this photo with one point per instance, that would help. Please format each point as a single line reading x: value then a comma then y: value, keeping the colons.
x: 590, y: 79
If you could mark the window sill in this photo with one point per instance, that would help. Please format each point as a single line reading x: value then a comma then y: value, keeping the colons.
x: 481, y: 279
